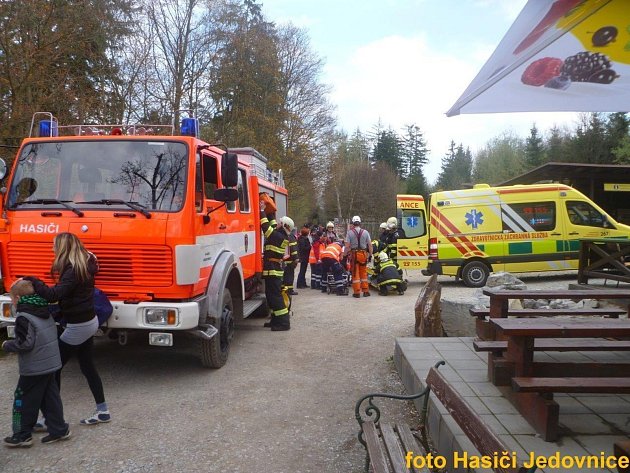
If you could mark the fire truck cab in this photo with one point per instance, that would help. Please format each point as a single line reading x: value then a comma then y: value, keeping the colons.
x: 173, y: 221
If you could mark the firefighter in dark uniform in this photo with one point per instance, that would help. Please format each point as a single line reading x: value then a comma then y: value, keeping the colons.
x: 276, y: 243
x: 391, y: 241
x: 388, y: 275
x: 290, y: 261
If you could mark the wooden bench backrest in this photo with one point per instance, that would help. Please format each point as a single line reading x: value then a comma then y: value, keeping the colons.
x: 473, y: 426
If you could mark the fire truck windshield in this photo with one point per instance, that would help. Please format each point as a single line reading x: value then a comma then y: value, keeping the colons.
x: 147, y: 175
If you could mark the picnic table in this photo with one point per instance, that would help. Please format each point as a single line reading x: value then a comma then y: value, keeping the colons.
x: 534, y: 383
x: 500, y: 298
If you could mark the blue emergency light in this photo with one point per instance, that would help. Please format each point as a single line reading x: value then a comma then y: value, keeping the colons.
x: 48, y: 128
x: 190, y: 127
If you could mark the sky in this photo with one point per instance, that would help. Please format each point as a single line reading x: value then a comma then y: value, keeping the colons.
x: 406, y: 62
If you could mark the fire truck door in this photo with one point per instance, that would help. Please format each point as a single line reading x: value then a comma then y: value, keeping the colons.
x: 212, y: 221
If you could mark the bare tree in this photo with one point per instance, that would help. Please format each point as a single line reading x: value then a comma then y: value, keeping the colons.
x: 181, y: 52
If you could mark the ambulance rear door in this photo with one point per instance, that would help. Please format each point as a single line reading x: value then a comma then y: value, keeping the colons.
x: 413, y: 242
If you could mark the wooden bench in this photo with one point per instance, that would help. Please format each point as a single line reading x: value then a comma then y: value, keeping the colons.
x: 591, y: 344
x: 611, y: 312
x: 484, y: 439
x: 387, y: 444
x: 612, y: 385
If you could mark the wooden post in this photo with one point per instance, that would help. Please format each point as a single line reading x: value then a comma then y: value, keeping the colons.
x: 428, y: 311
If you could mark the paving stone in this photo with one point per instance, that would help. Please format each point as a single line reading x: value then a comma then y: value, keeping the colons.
x: 474, y: 376
x: 595, y: 444
x: 452, y: 347
x: 463, y: 388
x: 610, y: 404
x: 491, y: 421
x: 621, y: 422
x: 585, y: 424
x: 499, y: 405
x: 485, y: 389
x: 467, y: 364
x: 514, y: 424
x: 570, y: 405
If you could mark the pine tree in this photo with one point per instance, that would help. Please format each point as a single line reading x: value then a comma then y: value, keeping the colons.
x: 534, y: 149
x: 456, y: 169
x: 388, y: 150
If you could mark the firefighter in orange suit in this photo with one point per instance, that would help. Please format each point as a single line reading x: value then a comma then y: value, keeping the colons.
x: 276, y: 243
x: 359, y: 246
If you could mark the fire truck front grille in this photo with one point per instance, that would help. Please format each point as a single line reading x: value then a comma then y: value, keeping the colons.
x: 122, y: 265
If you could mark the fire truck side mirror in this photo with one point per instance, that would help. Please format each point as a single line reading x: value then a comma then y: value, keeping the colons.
x: 3, y: 168
x: 229, y: 170
x: 225, y: 195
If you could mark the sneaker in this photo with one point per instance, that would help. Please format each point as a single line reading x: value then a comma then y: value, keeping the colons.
x: 356, y: 295
x: 366, y: 294
x: 15, y: 442
x: 40, y: 426
x: 99, y: 417
x: 267, y: 324
x: 292, y: 293
x: 50, y: 438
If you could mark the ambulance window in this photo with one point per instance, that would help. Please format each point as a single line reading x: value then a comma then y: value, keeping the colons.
x: 584, y: 214
x: 243, y: 197
x: 412, y: 223
x: 534, y: 216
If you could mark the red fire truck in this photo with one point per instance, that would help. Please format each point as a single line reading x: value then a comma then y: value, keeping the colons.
x: 174, y: 222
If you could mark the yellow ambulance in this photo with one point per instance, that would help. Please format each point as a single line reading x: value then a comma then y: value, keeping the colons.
x: 526, y: 228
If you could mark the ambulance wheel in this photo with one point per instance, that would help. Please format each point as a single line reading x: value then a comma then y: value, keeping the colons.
x: 214, y: 352
x: 475, y: 274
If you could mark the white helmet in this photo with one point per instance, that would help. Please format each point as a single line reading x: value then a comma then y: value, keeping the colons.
x: 287, y: 222
x: 382, y: 257
x: 330, y: 225
x: 392, y: 222
x: 356, y: 219
x: 383, y: 226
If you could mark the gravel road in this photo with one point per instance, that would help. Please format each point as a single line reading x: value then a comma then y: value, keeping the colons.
x: 284, y: 402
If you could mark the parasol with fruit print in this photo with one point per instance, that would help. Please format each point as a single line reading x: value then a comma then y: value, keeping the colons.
x: 559, y: 55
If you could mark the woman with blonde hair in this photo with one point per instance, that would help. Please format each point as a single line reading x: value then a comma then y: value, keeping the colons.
x: 73, y: 270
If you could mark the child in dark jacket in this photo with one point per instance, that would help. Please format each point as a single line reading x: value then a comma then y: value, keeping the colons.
x: 38, y: 359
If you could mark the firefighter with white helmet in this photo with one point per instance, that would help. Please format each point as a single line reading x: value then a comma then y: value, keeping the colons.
x: 391, y: 240
x: 330, y: 232
x: 359, y: 247
x: 388, y: 275
x: 291, y: 257
x: 276, y: 243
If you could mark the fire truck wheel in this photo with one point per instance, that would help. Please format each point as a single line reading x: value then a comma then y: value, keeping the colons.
x: 214, y: 352
x: 475, y: 274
